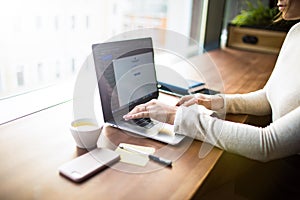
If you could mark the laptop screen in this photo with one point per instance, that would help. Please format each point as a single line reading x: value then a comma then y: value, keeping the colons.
x: 126, y: 75
x: 135, y: 77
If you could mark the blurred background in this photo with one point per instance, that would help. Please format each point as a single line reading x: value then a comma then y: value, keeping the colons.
x: 44, y: 42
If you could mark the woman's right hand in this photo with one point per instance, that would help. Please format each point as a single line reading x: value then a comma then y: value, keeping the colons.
x: 212, y: 102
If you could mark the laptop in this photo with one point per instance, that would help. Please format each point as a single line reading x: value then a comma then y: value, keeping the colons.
x: 126, y: 78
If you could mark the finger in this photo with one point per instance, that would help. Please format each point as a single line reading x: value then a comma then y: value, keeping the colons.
x: 151, y: 102
x: 136, y: 115
x: 190, y: 102
x: 179, y: 103
x: 204, y: 102
x: 137, y: 109
x: 137, y: 112
x: 182, y: 100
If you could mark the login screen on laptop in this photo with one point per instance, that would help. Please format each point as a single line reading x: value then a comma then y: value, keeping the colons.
x: 126, y: 75
x: 135, y: 78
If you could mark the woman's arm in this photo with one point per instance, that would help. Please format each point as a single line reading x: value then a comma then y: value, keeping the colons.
x: 279, y: 139
x: 253, y: 103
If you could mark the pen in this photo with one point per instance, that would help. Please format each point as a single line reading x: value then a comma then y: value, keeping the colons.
x: 150, y: 156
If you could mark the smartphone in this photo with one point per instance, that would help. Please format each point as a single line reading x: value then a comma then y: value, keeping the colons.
x: 84, y: 166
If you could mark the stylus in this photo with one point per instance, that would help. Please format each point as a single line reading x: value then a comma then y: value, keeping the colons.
x: 151, y: 157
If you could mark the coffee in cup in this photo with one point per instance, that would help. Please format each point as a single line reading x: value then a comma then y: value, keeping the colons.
x: 85, y: 132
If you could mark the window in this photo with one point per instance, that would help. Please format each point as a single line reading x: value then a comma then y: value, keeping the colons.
x: 44, y: 42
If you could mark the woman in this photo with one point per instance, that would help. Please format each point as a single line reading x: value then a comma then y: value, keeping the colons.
x: 280, y: 97
x: 279, y: 141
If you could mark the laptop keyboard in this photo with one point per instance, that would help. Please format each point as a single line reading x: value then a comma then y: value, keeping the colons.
x: 143, y: 122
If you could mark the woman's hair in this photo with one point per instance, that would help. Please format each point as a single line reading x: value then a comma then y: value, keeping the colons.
x: 278, y: 17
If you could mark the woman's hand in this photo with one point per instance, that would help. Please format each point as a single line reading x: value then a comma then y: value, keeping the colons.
x: 212, y: 102
x: 153, y: 109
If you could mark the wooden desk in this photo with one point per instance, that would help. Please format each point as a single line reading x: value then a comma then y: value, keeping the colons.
x: 33, y: 147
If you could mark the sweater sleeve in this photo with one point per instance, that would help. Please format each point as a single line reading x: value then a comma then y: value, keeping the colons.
x: 279, y: 139
x: 254, y: 103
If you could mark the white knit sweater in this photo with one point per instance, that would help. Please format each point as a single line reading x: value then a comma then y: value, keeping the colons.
x: 280, y: 96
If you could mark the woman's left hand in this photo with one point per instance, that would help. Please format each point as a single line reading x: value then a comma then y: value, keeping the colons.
x: 212, y: 102
x: 153, y: 109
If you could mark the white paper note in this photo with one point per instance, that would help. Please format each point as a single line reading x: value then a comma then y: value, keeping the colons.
x: 132, y: 157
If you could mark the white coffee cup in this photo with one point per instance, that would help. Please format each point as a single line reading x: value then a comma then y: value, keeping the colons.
x: 85, y: 132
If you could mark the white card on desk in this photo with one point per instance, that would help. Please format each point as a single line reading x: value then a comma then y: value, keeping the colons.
x: 134, y: 158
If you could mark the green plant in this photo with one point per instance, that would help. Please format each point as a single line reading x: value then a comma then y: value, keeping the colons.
x: 259, y: 15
